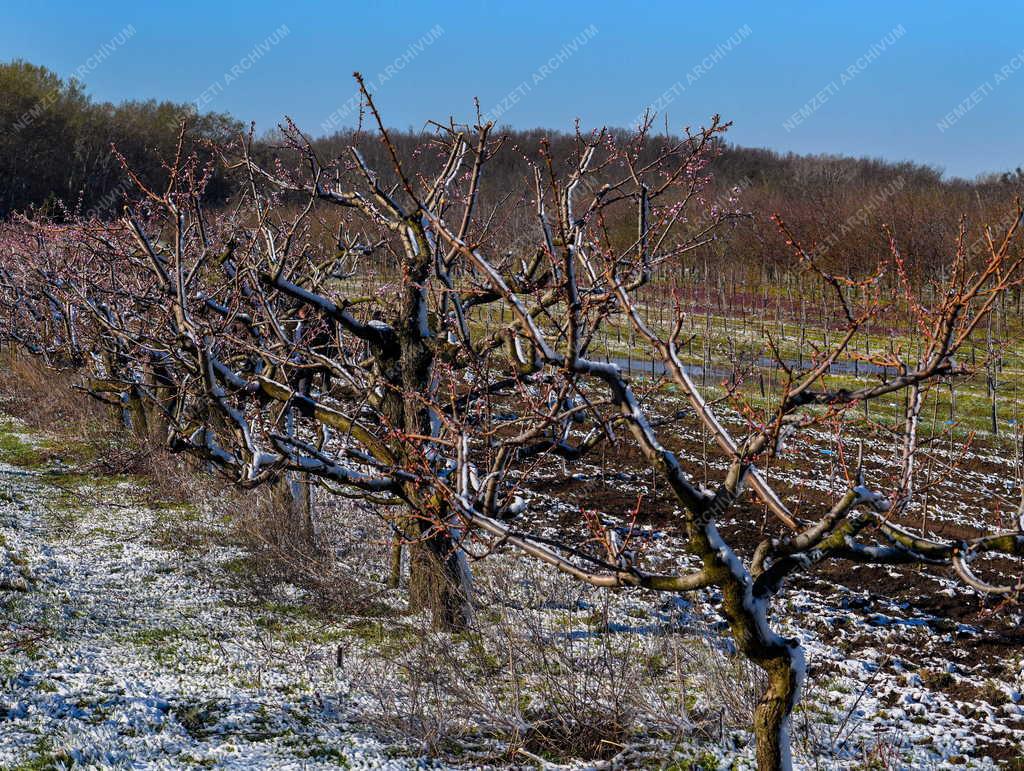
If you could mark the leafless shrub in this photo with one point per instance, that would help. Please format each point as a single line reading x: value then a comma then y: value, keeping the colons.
x: 262, y: 523
x: 339, y: 576
x: 737, y: 684
x: 543, y: 672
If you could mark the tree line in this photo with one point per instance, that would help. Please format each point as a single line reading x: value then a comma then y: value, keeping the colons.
x: 57, y: 146
x: 61, y: 153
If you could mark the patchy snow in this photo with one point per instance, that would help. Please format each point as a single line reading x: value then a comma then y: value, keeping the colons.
x: 120, y: 650
x: 119, y: 653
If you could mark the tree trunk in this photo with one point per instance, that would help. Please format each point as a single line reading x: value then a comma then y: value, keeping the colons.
x: 395, y: 567
x: 781, y: 659
x: 772, y: 716
x: 439, y: 581
x: 302, y: 505
x: 135, y: 414
x: 294, y: 495
x: 439, y: 575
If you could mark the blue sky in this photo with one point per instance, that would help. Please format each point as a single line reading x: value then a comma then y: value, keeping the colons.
x: 872, y: 78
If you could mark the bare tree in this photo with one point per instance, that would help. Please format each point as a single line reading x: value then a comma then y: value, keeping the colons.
x: 244, y: 335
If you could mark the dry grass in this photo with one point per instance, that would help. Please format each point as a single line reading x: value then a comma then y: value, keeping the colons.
x: 543, y: 674
x: 338, y: 566
x: 89, y: 434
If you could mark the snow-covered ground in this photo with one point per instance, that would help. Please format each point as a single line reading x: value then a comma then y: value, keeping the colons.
x: 121, y: 649
x: 116, y: 653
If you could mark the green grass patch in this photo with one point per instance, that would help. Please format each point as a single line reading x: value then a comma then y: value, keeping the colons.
x: 18, y: 452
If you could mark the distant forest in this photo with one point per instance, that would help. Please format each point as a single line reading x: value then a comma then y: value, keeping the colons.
x: 63, y: 154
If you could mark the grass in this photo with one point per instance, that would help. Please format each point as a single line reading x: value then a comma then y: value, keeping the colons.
x: 720, y: 338
x: 44, y: 757
x: 198, y: 719
x: 15, y: 450
x: 389, y: 639
x: 151, y: 637
x: 706, y: 761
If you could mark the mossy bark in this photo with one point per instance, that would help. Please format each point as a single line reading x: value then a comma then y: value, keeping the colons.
x: 436, y: 584
x: 395, y: 563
